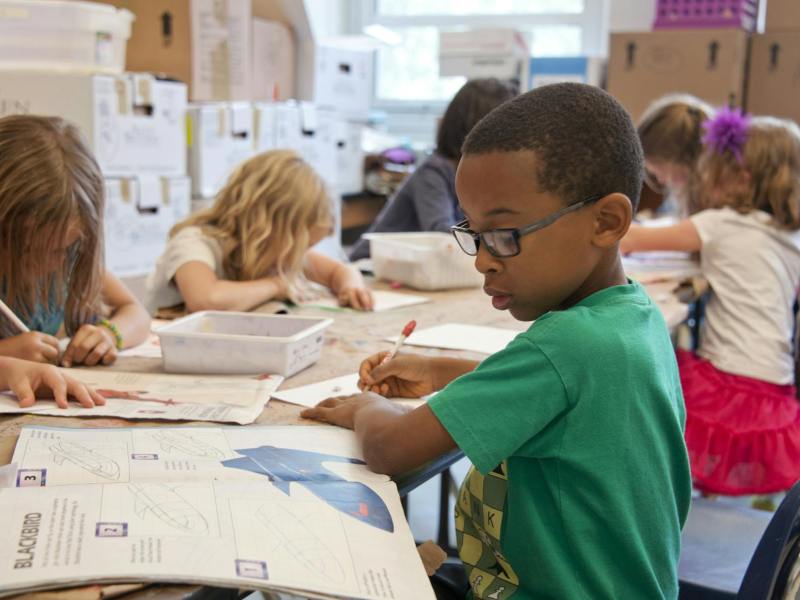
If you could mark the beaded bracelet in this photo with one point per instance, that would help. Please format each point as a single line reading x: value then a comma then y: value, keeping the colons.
x: 113, y: 329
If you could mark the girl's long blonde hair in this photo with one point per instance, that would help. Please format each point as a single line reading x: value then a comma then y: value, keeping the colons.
x: 771, y: 157
x: 50, y: 184
x: 263, y: 215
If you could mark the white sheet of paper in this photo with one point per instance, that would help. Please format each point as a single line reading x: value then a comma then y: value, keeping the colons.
x: 287, y: 508
x: 456, y: 336
x: 314, y: 393
x: 651, y: 267
x: 150, y: 348
x: 384, y: 300
x: 220, y: 398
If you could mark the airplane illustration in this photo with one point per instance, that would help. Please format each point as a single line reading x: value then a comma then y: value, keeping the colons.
x: 173, y: 440
x: 283, y: 466
x: 168, y: 506
x: 85, y: 458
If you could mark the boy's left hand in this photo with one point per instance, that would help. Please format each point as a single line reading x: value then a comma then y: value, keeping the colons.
x: 359, y: 298
x: 91, y: 345
x: 340, y: 410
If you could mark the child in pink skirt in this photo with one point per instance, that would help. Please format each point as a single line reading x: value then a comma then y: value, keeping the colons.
x: 743, y: 419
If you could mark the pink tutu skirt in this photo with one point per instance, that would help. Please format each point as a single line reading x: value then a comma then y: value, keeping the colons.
x: 743, y: 434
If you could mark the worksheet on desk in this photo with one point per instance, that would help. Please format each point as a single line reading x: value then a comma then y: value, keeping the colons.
x: 384, y: 300
x: 347, y: 385
x: 456, y: 336
x: 219, y: 398
x: 288, y: 508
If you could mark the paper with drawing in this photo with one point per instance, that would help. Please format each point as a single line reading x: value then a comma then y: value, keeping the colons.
x: 286, y: 508
x: 222, y: 398
x: 346, y: 385
x: 455, y: 336
x: 384, y: 300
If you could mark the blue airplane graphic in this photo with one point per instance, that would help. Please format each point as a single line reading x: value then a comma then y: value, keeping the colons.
x: 283, y: 466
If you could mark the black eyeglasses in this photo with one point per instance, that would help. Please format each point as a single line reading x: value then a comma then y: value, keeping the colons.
x: 504, y: 243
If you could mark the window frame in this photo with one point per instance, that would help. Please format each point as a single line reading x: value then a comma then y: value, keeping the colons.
x: 593, y: 22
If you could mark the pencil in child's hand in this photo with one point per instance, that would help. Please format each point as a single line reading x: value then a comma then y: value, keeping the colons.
x: 407, y: 331
x: 14, y: 319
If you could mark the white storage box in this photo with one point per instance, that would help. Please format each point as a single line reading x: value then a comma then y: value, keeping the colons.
x: 235, y: 342
x: 349, y: 157
x: 134, y: 123
x: 264, y: 125
x: 56, y: 34
x: 336, y: 78
x: 308, y: 130
x: 139, y: 213
x: 426, y: 261
x: 221, y: 138
x: 499, y: 52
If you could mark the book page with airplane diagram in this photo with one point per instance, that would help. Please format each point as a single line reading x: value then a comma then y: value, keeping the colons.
x: 291, y: 508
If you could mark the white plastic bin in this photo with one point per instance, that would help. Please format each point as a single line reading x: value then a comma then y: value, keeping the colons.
x: 234, y: 342
x: 57, y: 34
x: 426, y: 261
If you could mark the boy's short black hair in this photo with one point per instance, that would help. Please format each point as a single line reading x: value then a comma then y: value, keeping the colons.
x: 475, y: 99
x: 585, y: 142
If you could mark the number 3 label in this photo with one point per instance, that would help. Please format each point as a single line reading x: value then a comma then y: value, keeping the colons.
x: 31, y: 477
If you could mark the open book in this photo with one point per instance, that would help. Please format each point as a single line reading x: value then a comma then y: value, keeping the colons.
x: 290, y: 509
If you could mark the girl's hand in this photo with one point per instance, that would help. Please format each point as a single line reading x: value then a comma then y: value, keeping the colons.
x: 33, y: 380
x: 359, y: 298
x: 404, y: 376
x: 91, y: 345
x: 31, y: 345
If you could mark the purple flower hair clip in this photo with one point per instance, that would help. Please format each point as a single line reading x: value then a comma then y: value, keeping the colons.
x: 727, y: 132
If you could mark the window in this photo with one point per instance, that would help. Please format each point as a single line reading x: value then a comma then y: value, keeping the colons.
x: 409, y: 71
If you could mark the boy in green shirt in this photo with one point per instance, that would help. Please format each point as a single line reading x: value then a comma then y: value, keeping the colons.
x: 580, y: 484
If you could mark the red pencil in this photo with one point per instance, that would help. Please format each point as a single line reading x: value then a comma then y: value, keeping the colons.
x: 407, y: 331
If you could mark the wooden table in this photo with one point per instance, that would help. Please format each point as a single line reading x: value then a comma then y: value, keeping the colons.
x: 350, y: 338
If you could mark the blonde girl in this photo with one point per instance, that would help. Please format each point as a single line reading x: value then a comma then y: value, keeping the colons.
x: 51, y: 249
x: 253, y: 245
x: 671, y: 132
x: 743, y: 420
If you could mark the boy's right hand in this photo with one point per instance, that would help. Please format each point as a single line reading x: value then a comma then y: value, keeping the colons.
x: 30, y: 380
x: 31, y: 345
x: 404, y: 376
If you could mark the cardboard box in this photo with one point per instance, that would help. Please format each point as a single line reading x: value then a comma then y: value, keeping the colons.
x: 308, y: 130
x: 139, y: 213
x: 558, y: 69
x: 264, y: 124
x: 501, y: 53
x: 337, y: 79
x: 221, y: 138
x: 774, y: 80
x: 273, y: 61
x: 782, y: 15
x: 708, y: 63
x: 134, y: 123
x: 205, y: 43
x: 349, y: 157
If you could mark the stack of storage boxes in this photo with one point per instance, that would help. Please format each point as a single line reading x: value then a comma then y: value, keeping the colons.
x: 698, y: 47
x: 133, y: 122
x: 774, y: 79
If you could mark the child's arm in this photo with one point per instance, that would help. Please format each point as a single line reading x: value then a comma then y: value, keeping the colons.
x: 682, y: 237
x: 95, y: 344
x: 344, y: 281
x: 31, y: 380
x: 393, y: 439
x: 203, y: 290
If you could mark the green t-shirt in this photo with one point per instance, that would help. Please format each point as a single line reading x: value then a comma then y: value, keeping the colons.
x: 581, y: 480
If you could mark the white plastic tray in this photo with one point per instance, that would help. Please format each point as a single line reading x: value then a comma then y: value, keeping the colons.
x: 235, y: 342
x: 427, y: 260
